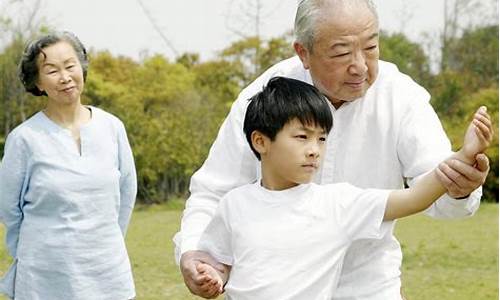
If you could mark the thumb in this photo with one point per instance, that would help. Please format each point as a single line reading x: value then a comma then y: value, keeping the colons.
x: 483, y: 163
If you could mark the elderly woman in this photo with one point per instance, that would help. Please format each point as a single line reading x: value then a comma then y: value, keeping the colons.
x: 67, y: 186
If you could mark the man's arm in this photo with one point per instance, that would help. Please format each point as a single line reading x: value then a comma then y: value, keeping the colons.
x: 428, y: 189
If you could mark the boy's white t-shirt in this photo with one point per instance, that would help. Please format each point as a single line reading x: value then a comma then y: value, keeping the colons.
x: 290, y: 244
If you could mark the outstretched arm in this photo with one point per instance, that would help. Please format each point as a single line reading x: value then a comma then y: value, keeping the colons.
x: 402, y: 203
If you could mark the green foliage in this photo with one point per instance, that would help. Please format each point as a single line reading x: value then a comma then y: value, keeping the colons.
x: 172, y: 109
x: 252, y: 56
x: 408, y: 56
x: 475, y: 55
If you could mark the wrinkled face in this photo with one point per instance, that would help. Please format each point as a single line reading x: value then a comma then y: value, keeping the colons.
x: 60, y: 74
x: 293, y: 157
x: 344, y: 60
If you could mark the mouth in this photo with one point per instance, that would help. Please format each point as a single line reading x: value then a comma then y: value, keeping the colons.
x: 355, y: 84
x: 68, y: 89
x: 311, y: 166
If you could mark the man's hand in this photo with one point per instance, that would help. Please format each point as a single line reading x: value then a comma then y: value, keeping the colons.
x: 456, y: 174
x: 195, y: 281
x: 460, y: 179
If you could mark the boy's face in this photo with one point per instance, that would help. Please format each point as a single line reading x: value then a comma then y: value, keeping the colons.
x: 293, y: 157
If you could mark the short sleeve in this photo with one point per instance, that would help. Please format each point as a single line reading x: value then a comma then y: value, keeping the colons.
x: 361, y: 212
x: 216, y: 239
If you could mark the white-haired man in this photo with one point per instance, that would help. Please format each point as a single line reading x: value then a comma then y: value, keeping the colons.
x: 385, y: 132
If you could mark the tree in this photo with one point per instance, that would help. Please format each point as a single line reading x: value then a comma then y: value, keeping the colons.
x: 408, y: 56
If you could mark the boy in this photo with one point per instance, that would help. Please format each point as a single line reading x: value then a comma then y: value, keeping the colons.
x: 285, y: 237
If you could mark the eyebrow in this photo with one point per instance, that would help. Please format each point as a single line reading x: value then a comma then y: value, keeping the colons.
x: 344, y: 44
x: 48, y: 64
x: 308, y: 129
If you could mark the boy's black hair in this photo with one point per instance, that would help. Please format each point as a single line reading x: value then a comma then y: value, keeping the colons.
x: 282, y: 100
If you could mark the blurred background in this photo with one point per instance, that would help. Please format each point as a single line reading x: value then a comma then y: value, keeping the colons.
x: 170, y: 71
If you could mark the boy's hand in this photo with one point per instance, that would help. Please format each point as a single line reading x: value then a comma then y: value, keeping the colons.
x: 478, y: 136
x: 192, y: 278
x: 212, y: 281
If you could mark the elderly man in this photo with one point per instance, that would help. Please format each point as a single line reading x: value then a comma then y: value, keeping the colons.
x: 385, y: 133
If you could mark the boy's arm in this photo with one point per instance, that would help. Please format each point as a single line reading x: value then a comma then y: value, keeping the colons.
x: 402, y: 203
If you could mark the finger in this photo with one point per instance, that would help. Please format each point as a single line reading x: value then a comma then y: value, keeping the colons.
x: 466, y: 171
x: 210, y: 291
x: 481, y: 132
x: 456, y: 175
x: 451, y: 187
x: 483, y: 163
x: 484, y: 129
x: 208, y: 259
x: 483, y: 117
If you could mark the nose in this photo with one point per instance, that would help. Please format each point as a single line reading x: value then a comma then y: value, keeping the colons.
x: 313, y: 150
x: 65, y: 78
x: 358, y: 65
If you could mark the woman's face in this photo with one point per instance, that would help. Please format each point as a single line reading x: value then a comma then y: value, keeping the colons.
x: 60, y: 74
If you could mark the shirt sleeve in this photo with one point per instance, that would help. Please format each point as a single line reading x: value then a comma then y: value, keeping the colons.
x: 216, y: 239
x: 13, y: 181
x: 361, y: 212
x: 422, y: 145
x: 128, y: 179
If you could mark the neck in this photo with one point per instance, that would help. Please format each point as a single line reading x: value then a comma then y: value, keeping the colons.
x: 68, y: 116
x: 272, y: 182
x: 336, y: 102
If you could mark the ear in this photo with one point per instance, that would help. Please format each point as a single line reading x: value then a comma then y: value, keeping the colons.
x: 260, y: 142
x: 38, y: 85
x: 303, y: 54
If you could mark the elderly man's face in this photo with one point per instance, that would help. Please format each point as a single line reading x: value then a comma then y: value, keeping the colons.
x: 344, y: 59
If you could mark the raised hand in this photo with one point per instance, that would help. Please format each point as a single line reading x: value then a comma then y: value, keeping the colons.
x: 478, y: 136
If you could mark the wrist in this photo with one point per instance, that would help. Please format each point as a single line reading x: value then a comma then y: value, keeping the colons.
x: 463, y: 157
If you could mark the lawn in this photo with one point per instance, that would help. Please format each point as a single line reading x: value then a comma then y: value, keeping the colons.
x: 442, y: 259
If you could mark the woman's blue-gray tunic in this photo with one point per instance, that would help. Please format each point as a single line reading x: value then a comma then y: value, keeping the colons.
x: 66, y: 211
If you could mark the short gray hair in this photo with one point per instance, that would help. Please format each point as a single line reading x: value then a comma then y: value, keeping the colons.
x: 28, y: 68
x: 307, y: 14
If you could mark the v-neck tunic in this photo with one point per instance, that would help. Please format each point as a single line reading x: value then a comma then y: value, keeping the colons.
x: 66, y: 210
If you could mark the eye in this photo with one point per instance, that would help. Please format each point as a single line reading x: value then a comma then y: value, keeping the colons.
x: 70, y: 67
x: 341, y: 55
x: 301, y: 136
x: 371, y: 48
x: 50, y: 72
x: 322, y: 139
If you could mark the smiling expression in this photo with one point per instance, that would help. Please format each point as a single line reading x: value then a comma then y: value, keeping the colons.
x: 60, y: 74
x: 344, y: 60
x: 293, y: 157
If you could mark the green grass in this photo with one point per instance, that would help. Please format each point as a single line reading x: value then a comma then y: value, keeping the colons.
x: 442, y: 259
x: 454, y: 259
